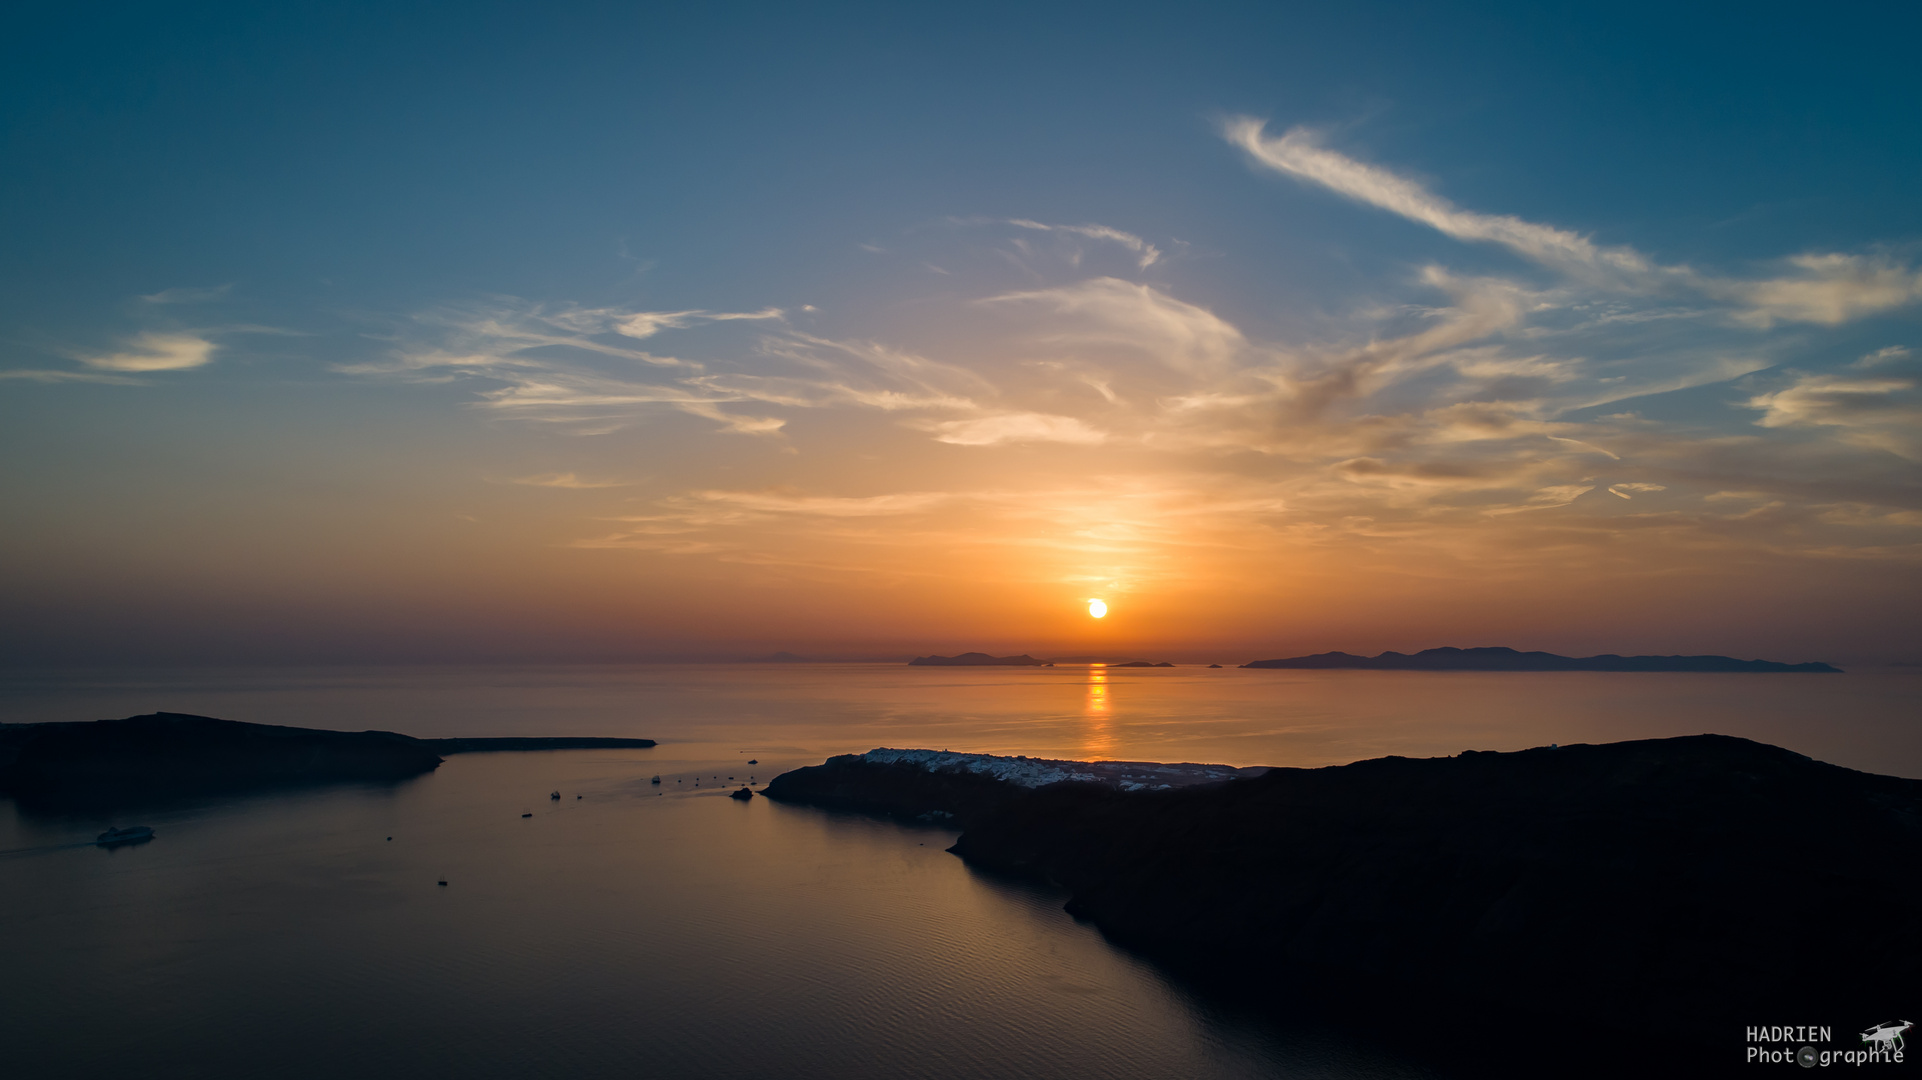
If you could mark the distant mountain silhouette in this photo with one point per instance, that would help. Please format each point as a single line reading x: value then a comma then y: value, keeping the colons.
x: 782, y: 657
x: 1498, y: 658
x: 976, y: 659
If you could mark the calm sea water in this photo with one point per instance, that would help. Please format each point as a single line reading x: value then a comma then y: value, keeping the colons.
x: 638, y: 930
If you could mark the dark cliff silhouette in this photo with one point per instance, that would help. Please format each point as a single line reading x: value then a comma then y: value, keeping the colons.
x: 1669, y: 888
x: 168, y: 754
x: 1498, y: 658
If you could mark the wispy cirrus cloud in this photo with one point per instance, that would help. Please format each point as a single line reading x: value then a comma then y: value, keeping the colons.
x: 567, y: 480
x: 1299, y: 153
x: 1110, y: 313
x: 45, y: 375
x: 190, y: 295
x: 1882, y: 412
x: 155, y: 351
x: 1458, y: 413
x: 645, y: 324
x: 1146, y: 254
x: 1823, y: 288
x: 1016, y: 427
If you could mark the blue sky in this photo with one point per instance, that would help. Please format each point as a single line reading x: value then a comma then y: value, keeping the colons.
x: 598, y: 330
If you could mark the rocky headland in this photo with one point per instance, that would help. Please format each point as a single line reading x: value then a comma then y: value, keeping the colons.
x: 1666, y: 889
x: 939, y: 785
x: 1499, y: 658
x: 162, y: 754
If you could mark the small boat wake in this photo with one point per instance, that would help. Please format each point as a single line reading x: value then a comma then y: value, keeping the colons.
x: 117, y: 837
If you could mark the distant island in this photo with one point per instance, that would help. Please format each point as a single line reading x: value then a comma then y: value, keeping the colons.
x: 981, y: 659
x: 532, y: 742
x: 178, y: 753
x: 976, y: 659
x: 1497, y: 658
x: 1625, y: 885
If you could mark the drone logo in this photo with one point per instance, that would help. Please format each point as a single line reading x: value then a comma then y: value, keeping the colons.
x: 1889, y: 1034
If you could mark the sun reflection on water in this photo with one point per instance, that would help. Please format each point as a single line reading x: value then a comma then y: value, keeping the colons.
x: 1097, y: 732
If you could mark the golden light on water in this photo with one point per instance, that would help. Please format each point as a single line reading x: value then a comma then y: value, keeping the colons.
x: 1097, y: 608
x: 1097, y: 734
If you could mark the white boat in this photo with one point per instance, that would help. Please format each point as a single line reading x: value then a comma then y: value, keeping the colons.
x: 132, y: 834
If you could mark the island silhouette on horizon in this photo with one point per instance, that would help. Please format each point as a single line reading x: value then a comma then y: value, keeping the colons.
x: 171, y: 754
x: 1501, y: 658
x: 976, y: 659
x: 1446, y: 658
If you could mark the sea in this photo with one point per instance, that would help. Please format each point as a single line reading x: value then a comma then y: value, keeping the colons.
x: 636, y: 929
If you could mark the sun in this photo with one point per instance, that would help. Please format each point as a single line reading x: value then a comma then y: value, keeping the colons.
x: 1097, y: 608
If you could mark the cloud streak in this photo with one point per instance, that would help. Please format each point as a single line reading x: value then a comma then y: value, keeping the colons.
x: 154, y: 351
x: 190, y: 295
x: 1146, y: 254
x: 1299, y: 153
x: 1822, y: 288
x: 1483, y: 419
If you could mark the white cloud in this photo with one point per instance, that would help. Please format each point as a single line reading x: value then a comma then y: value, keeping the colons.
x: 1016, y: 427
x: 1146, y: 254
x: 564, y: 480
x: 1888, y: 355
x: 156, y: 352
x: 1298, y: 153
x: 1586, y: 447
x: 1624, y: 490
x: 1547, y: 498
x: 1116, y: 313
x: 46, y: 376
x: 1835, y: 400
x: 645, y: 324
x: 1883, y: 413
x: 891, y: 505
x: 1829, y: 290
x: 734, y: 423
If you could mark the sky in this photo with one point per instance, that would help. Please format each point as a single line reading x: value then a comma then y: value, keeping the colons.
x: 576, y: 332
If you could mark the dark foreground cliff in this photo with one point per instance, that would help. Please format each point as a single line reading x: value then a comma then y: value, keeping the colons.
x: 176, y: 752
x: 165, y: 754
x: 1674, y: 888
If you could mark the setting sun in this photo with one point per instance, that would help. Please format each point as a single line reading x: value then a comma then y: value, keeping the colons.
x: 1097, y: 608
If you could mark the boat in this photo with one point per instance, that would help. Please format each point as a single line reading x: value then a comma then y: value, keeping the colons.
x: 132, y: 834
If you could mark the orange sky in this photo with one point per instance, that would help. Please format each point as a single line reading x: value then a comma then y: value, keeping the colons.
x: 1516, y: 435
